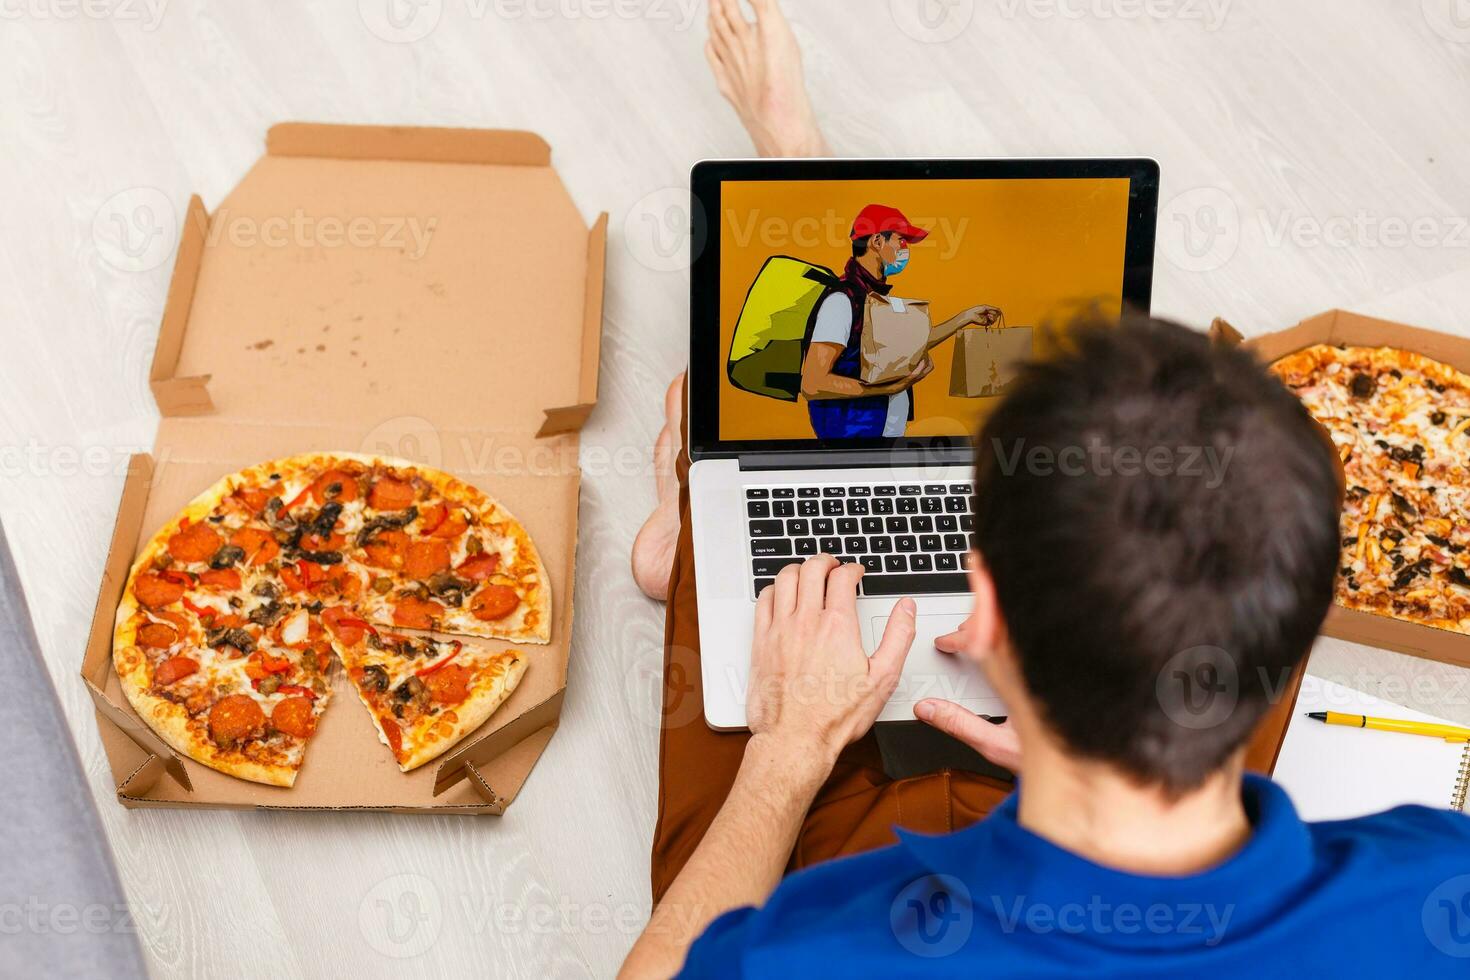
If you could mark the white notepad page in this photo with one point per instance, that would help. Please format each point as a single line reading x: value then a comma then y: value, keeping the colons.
x: 1333, y: 772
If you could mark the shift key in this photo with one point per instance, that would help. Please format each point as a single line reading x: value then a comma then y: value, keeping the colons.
x: 767, y: 567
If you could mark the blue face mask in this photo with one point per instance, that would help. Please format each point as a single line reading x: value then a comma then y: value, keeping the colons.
x: 894, y: 268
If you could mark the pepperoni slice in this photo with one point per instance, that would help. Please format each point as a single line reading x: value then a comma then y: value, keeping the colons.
x: 253, y: 499
x: 390, y: 494
x: 294, y: 717
x: 258, y: 545
x: 477, y: 568
x: 387, y: 550
x: 234, y: 718
x: 425, y: 558
x: 494, y: 602
x: 197, y: 542
x: 342, y: 622
x: 334, y: 485
x: 431, y: 517
x: 220, y: 578
x: 416, y: 613
x: 173, y: 669
x: 454, y: 525
x: 153, y: 590
x: 157, y: 636
x: 449, y: 684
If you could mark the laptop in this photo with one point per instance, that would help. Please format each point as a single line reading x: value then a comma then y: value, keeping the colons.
x: 851, y: 324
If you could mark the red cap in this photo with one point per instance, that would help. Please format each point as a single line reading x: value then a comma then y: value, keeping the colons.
x: 877, y: 218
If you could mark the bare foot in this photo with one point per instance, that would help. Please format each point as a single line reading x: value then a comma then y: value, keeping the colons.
x: 653, y: 549
x: 758, y: 70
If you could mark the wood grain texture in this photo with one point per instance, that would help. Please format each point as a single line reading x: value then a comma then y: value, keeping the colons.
x: 1281, y: 115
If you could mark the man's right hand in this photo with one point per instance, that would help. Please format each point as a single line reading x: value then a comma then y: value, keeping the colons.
x: 998, y: 743
x: 908, y: 381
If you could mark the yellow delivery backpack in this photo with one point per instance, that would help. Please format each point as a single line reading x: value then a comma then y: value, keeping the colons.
x: 775, y: 326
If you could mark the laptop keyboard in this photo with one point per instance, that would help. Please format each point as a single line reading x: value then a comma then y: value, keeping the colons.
x: 913, y: 539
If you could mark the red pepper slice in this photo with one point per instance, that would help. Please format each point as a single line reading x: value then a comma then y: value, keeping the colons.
x: 458, y: 646
x: 305, y: 491
x: 174, y: 575
x: 302, y: 690
x: 358, y: 624
x: 203, y: 612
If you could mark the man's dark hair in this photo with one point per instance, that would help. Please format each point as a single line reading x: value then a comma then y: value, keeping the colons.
x: 860, y: 245
x: 1160, y: 518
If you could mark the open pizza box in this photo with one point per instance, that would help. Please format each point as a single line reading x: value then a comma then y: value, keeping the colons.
x: 1353, y: 329
x: 430, y: 294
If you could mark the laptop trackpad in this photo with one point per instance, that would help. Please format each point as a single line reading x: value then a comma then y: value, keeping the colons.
x: 928, y: 673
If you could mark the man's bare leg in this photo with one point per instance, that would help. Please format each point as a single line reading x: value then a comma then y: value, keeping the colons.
x: 757, y: 68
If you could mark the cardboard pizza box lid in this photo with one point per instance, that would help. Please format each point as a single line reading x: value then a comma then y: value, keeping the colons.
x: 431, y: 294
x: 1358, y: 330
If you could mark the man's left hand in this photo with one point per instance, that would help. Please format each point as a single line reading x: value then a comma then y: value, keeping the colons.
x: 811, y: 684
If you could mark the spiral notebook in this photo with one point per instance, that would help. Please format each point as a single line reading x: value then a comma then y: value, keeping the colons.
x: 1334, y: 772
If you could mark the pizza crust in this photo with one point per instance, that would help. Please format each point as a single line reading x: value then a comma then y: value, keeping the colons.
x: 470, y: 713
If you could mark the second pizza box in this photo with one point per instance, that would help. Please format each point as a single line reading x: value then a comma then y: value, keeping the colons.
x: 1356, y: 330
x: 428, y: 294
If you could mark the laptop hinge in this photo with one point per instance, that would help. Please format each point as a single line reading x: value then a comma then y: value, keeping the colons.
x: 837, y: 459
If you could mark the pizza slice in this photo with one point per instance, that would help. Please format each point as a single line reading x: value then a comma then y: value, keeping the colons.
x: 424, y: 693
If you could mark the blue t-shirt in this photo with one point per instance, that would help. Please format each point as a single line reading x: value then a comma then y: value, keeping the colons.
x: 1382, y: 896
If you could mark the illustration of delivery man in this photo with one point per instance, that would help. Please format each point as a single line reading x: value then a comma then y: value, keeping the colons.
x: 840, y: 405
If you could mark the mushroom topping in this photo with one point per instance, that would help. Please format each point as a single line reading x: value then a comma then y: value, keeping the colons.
x: 1363, y: 386
x: 226, y: 556
x: 374, y: 678
x: 383, y: 522
x: 231, y: 637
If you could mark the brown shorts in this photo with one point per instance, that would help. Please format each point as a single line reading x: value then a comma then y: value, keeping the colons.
x: 857, y: 809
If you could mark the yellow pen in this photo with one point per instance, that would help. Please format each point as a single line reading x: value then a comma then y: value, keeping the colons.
x: 1450, y: 733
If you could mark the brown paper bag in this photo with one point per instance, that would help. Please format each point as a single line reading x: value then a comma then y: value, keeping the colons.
x: 895, y: 337
x: 985, y: 359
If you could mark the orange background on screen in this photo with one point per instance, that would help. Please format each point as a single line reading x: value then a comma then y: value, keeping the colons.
x: 1040, y: 250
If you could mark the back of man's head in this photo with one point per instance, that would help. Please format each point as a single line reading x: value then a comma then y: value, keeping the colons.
x: 1159, y: 517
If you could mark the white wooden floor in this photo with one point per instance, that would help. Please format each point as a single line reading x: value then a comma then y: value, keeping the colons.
x: 1299, y: 143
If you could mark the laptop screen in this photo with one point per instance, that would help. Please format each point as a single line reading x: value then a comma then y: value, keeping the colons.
x: 879, y: 312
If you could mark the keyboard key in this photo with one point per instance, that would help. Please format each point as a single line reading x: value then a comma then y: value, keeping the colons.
x: 882, y: 545
x: 872, y: 525
x: 967, y: 560
x: 845, y: 559
x: 897, y: 525
x: 756, y: 493
x: 963, y: 488
x: 767, y: 567
x: 806, y: 546
x: 922, y: 525
x: 956, y: 505
x: 766, y: 529
x: 783, y: 493
x: 831, y: 546
x: 821, y: 526
x: 956, y: 542
x: 769, y: 547
x: 858, y: 507
x: 895, y: 563
x: 834, y: 492
x: 758, y: 508
x: 783, y: 508
x: 872, y: 563
x: 938, y: 488
x: 859, y: 491
x: 946, y: 522
x: 882, y: 505
x: 762, y: 583
x: 888, y: 491
x: 930, y: 543
x: 946, y: 563
x: 798, y: 528
x: 909, y: 505
x: 808, y: 492
x: 808, y: 508
x: 847, y: 525
x: 911, y: 489
x: 905, y: 543
x: 936, y: 584
x: 921, y: 563
x: 855, y: 546
x: 832, y: 508
x: 967, y: 522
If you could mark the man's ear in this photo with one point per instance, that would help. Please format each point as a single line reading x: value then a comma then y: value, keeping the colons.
x: 984, y: 630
